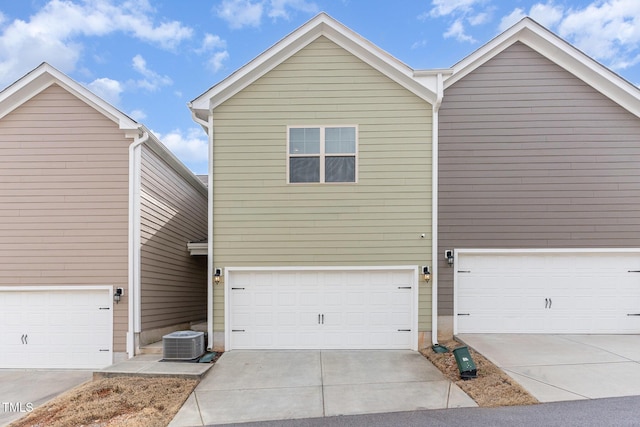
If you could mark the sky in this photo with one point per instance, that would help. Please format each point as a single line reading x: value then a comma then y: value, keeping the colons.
x: 149, y: 58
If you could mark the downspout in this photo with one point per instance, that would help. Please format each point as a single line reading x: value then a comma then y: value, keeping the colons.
x: 134, y: 240
x: 434, y: 208
x: 209, y: 126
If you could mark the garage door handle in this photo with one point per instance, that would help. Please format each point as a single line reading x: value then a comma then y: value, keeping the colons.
x: 550, y: 302
x: 633, y: 314
x: 318, y: 319
x: 323, y: 319
x: 24, y: 340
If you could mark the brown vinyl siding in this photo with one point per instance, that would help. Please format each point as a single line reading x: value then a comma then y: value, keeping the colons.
x: 532, y: 157
x: 63, y: 198
x: 173, y: 212
x: 261, y: 220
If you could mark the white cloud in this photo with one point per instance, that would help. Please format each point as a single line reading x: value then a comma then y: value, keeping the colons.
x: 216, y: 62
x: 607, y: 30
x: 249, y: 13
x: 479, y: 19
x: 547, y: 14
x: 279, y: 8
x: 457, y: 31
x: 190, y: 146
x: 241, y: 13
x: 53, y: 33
x: 107, y: 89
x: 419, y: 44
x: 511, y: 19
x: 138, y: 115
x: 447, y: 7
x: 212, y: 42
x: 473, y: 12
x: 152, y: 81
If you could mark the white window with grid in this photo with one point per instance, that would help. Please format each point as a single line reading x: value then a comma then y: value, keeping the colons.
x: 322, y: 154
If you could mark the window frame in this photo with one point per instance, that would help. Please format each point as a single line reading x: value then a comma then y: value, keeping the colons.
x: 322, y: 155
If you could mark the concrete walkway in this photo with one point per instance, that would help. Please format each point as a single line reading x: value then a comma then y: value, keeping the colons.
x: 565, y: 367
x: 151, y: 365
x: 273, y: 385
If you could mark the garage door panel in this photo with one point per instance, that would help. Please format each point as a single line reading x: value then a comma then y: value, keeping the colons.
x: 325, y: 309
x: 560, y: 292
x: 56, y: 328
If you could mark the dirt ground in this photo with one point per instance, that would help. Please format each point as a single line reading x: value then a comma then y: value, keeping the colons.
x: 491, y: 388
x: 109, y: 402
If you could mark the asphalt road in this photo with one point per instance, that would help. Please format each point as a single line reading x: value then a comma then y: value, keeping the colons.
x: 620, y: 411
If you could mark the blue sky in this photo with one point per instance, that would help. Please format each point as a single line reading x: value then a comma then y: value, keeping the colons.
x: 149, y: 58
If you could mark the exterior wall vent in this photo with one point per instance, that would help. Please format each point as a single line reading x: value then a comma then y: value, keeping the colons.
x: 183, y: 345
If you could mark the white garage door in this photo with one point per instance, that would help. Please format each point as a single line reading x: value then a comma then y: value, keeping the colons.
x: 322, y: 309
x: 62, y: 329
x: 548, y: 292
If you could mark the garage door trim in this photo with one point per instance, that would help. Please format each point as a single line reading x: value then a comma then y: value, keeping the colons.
x: 499, y: 251
x: 410, y: 268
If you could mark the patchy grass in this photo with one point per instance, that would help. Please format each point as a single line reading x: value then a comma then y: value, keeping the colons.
x: 492, y: 387
x: 119, y: 401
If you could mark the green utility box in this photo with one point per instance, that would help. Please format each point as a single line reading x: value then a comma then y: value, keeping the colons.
x: 465, y: 363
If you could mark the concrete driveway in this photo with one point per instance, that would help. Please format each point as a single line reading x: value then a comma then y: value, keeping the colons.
x: 24, y: 389
x: 565, y: 367
x: 274, y: 385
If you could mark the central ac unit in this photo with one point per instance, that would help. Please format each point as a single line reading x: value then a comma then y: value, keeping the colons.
x: 183, y: 345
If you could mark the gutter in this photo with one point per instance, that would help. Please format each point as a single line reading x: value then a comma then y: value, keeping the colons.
x: 434, y: 208
x: 134, y: 239
x: 208, y: 126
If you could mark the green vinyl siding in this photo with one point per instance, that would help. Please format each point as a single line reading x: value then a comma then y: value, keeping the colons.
x: 261, y: 220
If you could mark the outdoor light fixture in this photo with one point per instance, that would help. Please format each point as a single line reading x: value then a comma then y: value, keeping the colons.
x: 448, y: 254
x: 216, y: 275
x: 118, y: 294
x: 427, y: 273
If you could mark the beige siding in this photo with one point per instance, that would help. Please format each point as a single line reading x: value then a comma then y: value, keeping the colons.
x: 260, y: 220
x: 63, y: 198
x: 173, y: 212
x: 532, y: 157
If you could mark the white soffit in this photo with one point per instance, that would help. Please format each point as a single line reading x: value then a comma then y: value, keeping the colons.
x: 321, y: 25
x: 546, y: 43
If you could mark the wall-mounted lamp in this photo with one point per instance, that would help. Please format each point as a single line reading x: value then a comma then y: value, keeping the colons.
x: 426, y: 273
x: 448, y: 255
x: 216, y: 275
x: 118, y: 294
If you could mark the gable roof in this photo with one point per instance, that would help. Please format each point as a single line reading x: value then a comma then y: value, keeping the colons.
x: 44, y: 76
x: 554, y: 48
x: 321, y: 25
